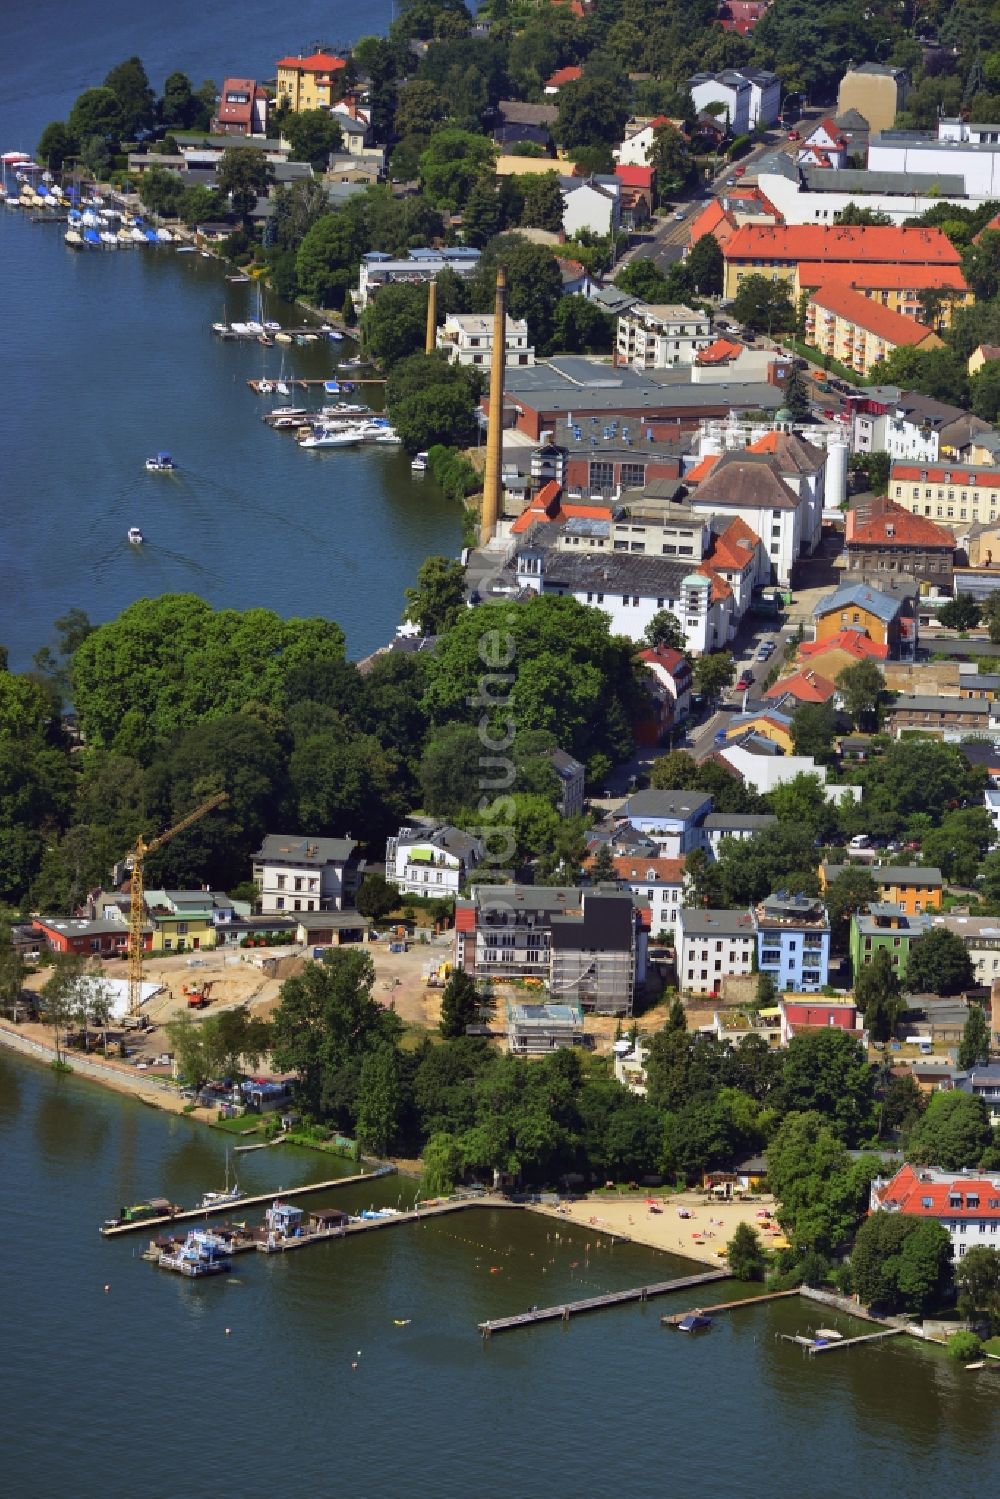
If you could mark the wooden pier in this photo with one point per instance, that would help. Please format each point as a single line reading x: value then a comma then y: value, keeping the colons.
x: 408, y: 1215
x: 193, y: 1215
x: 598, y: 1303
x: 812, y: 1346
x: 675, y: 1318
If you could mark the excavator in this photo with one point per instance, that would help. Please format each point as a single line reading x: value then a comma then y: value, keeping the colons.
x: 198, y: 998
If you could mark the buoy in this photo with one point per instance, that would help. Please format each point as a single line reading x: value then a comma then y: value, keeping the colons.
x: 229, y: 1332
x: 106, y: 1289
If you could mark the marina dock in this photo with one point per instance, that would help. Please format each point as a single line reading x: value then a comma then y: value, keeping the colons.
x: 675, y: 1318
x: 569, y: 1309
x: 259, y: 1199
x: 812, y: 1346
x: 408, y: 1215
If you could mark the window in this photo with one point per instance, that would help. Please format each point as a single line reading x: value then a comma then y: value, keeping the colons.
x: 280, y: 903
x: 602, y: 475
x: 281, y: 881
x: 182, y: 929
x: 633, y: 475
x: 298, y: 883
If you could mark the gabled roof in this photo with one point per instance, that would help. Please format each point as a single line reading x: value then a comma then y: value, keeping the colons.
x: 883, y: 276
x: 937, y: 1194
x: 870, y: 315
x: 631, y: 176
x: 734, y: 548
x: 719, y: 352
x: 804, y: 686
x: 713, y: 219
x: 739, y: 480
x: 794, y: 455
x: 317, y: 62
x: 842, y: 242
x: 859, y: 596
x: 563, y: 75
x: 646, y: 869
x: 702, y: 469
x: 895, y: 527
x: 853, y: 642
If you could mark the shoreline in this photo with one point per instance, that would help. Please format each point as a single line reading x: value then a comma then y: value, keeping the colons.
x: 702, y: 1236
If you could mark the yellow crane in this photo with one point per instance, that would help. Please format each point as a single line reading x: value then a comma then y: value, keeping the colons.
x: 137, y: 905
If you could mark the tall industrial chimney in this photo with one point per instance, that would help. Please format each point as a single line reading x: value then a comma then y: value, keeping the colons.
x: 494, y: 432
x: 430, y: 340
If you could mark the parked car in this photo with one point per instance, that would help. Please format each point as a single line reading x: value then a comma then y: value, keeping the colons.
x: 744, y: 680
x: 793, y: 135
x: 739, y: 171
x: 678, y: 213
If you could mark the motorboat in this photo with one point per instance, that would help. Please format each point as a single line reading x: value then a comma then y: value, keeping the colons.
x: 161, y: 464
x: 238, y: 280
x: 187, y: 249
x: 73, y: 238
x: 165, y: 236
x: 332, y: 387
x: 200, y: 1254
x: 348, y: 438
x: 418, y: 463
x: 273, y: 327
x: 135, y: 536
x: 220, y: 328
x: 337, y: 337
x: 283, y: 338
x: 344, y: 408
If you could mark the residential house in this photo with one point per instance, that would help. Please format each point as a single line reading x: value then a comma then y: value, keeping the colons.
x: 803, y: 686
x: 737, y: 825
x: 431, y: 859
x: 416, y: 268
x: 946, y: 491
x: 888, y: 619
x: 912, y: 427
x: 104, y: 938
x: 876, y: 90
x: 741, y: 16
x: 981, y: 938
x: 640, y: 136
x: 657, y: 884
x: 991, y: 801
x: 638, y: 194
x: 671, y: 819
x: 887, y: 538
x: 560, y: 77
x: 780, y: 501
x: 763, y: 722
x: 799, y: 1014
x: 967, y: 1206
x: 984, y: 1082
x: 572, y: 779
x: 537, y: 1030
x: 751, y: 96
x: 915, y: 889
x: 711, y: 946
x: 467, y: 338
x: 189, y: 919
x: 923, y: 292
x: 885, y: 926
x: 296, y: 873
x: 592, y: 204
x: 825, y: 145
x: 948, y: 718
x: 858, y: 332
x: 587, y: 946
x: 671, y: 671
x: 793, y: 941
x: 313, y: 82
x: 844, y: 648
x: 761, y: 766
x: 659, y: 336
x: 982, y: 355
x: 777, y: 251
x: 241, y: 108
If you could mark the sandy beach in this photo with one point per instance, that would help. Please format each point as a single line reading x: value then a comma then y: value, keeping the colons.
x: 702, y: 1236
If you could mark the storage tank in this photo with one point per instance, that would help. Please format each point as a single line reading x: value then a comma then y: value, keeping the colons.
x: 836, y: 474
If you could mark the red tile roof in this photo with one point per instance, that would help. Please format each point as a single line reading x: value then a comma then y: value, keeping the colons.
x: 713, y: 219
x: 641, y: 177
x: 665, y: 656
x: 855, y: 642
x: 719, y: 353
x: 563, y: 75
x: 735, y: 548
x: 805, y: 687
x: 465, y: 917
x: 547, y: 506
x: 720, y: 588
x: 908, y: 472
x: 917, y: 1198
x: 637, y: 866
x: 318, y: 62
x: 701, y: 469
x: 894, y: 526
x: 863, y: 312
x: 840, y: 242
x: 232, y: 114
x: 884, y: 276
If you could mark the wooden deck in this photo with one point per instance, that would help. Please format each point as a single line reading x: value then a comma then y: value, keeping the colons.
x: 675, y: 1318
x: 259, y: 1199
x: 569, y: 1309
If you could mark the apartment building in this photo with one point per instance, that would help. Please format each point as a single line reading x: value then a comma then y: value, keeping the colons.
x: 966, y: 1205
x: 431, y: 860
x: 793, y: 941
x: 302, y: 874
x: 313, y: 82
x: 946, y: 492
x: 857, y: 331
x: 654, y: 336
x: 777, y: 251
x: 711, y: 946
x: 467, y: 338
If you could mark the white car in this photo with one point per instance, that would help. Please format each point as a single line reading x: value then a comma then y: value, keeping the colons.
x: 678, y: 213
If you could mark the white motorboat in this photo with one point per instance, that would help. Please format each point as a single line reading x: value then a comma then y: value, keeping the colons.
x: 135, y: 536
x: 283, y: 338
x: 186, y: 249
x: 281, y: 388
x: 220, y: 327
x: 161, y: 464
x: 273, y: 327
x: 349, y: 438
x: 418, y: 463
x: 165, y: 236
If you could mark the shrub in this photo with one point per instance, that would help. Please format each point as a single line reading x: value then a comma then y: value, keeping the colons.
x: 963, y: 1346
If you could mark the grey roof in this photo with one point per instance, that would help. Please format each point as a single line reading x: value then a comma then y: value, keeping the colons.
x: 915, y: 140
x: 857, y: 596
x: 902, y: 184
x: 909, y: 926
x: 564, y: 765
x: 720, y: 822
x: 514, y: 112
x: 453, y: 840
x: 331, y: 921
x: 279, y: 847
x: 612, y: 300
x: 676, y: 804
x: 777, y: 163
x: 919, y: 703
x: 699, y: 923
x: 882, y: 69
x: 654, y: 396
x: 525, y: 897
x: 609, y: 572
x: 292, y: 171
x: 78, y: 927
x: 606, y: 925
x: 906, y: 874
x: 851, y: 119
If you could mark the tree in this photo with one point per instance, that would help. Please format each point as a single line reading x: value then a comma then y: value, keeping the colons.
x: 602, y: 868
x: 665, y: 629
x: 981, y: 265
x: 827, y: 1072
x: 796, y: 396
x: 58, y: 996
x: 952, y: 1133
x: 643, y: 278
x: 578, y: 327
x: 242, y: 174
x: 460, y: 1004
x: 56, y: 143
x: 714, y: 674
x: 958, y: 845
x: 482, y: 217
x: 130, y: 85
x: 974, y: 1047
x: 543, y: 202
x: 939, y: 963
x: 534, y: 283
x: 977, y: 1276
x: 823, y: 1193
x: 440, y: 416
x: 200, y: 205
x: 962, y: 612
x: 764, y: 305
x: 853, y: 889
x: 196, y: 1061
x: 327, y: 259
x: 877, y: 995
x: 12, y: 971
x: 590, y: 113
x: 178, y: 106
x: 670, y: 157
x: 900, y: 1261
x: 439, y: 597
x: 313, y: 135
x: 745, y: 1254
x: 452, y: 163
x: 450, y: 774
x: 443, y: 1165
x: 379, y: 1098
x: 420, y: 108
x: 705, y: 266
x: 377, y: 896
x: 814, y: 726
x: 802, y: 803
x: 394, y: 324
x: 861, y: 686
x: 98, y: 112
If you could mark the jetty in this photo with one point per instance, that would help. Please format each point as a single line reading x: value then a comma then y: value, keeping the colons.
x: 568, y: 1309
x: 259, y: 1199
x: 364, y: 1225
x: 676, y: 1318
x: 813, y: 1345
x: 299, y: 384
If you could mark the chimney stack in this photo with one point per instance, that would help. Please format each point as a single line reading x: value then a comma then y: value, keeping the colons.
x: 430, y: 340
x: 494, y: 433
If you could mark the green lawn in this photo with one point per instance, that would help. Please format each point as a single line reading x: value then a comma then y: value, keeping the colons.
x: 247, y: 1124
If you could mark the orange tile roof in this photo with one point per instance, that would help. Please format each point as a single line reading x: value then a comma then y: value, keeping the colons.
x: 838, y: 242
x: 564, y: 75
x: 883, y: 276
x: 719, y: 353
x: 637, y: 867
x: 862, y: 312
x: 713, y: 219
x: 917, y: 1198
x: 855, y: 642
x: 805, y: 686
x: 942, y: 475
x: 701, y: 469
x: 318, y: 62
x: 546, y: 506
x: 735, y: 548
x: 720, y: 588
x: 894, y: 526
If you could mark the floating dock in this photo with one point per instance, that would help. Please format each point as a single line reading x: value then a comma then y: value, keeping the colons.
x: 675, y: 1318
x: 259, y: 1199
x: 569, y: 1309
x: 811, y: 1345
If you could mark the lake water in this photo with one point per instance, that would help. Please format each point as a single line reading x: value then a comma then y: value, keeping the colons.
x: 109, y: 357
x: 140, y: 1392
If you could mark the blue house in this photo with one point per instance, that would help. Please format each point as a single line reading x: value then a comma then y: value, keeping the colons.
x: 672, y: 819
x: 793, y: 942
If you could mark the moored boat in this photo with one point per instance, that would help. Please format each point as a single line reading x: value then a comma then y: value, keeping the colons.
x: 138, y: 1212
x: 201, y: 1254
x: 418, y: 463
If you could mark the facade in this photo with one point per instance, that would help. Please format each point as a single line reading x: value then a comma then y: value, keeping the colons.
x: 752, y: 96
x: 908, y: 425
x: 671, y: 819
x: 189, y: 919
x: 102, y: 938
x: 777, y: 251
x: 908, y: 290
x: 887, y: 619
x: 711, y: 946
x: 793, y: 942
x: 467, y: 338
x: 981, y: 936
x: 946, y: 491
x: 537, y: 1030
x: 798, y: 1013
x: 776, y: 487
x: 242, y: 108
x: 887, y: 926
x: 914, y: 890
x: 857, y: 331
x: 739, y: 825
x: 590, y: 204
x: 951, y: 719
x: 313, y: 82
x: 890, y: 539
x: 415, y: 268
x: 587, y: 946
x: 653, y: 336
x: 825, y: 145
x: 657, y: 885
x: 957, y: 152
x: 876, y: 91
x: 967, y: 1206
x: 302, y: 874
x: 431, y: 861
x: 572, y: 780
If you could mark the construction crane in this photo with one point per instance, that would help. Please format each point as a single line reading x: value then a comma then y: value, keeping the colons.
x: 137, y: 906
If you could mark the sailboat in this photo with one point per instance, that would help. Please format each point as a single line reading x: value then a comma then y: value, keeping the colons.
x: 224, y: 1198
